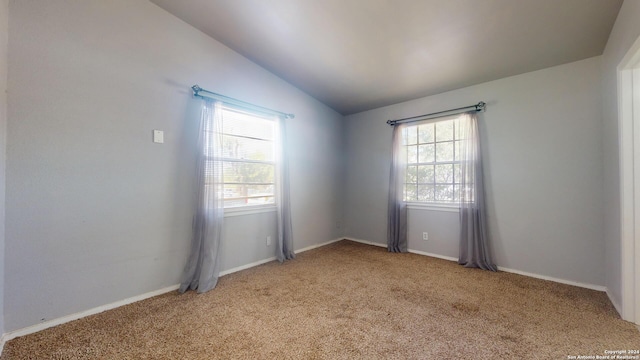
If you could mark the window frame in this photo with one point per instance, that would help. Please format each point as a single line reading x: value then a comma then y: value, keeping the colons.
x: 451, y: 205
x: 223, y: 160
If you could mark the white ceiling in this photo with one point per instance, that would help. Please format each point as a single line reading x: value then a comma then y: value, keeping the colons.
x: 355, y: 55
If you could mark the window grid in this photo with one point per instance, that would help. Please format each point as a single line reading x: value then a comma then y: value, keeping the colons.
x: 433, y: 170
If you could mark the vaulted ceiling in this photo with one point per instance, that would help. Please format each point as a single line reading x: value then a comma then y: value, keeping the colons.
x: 355, y: 55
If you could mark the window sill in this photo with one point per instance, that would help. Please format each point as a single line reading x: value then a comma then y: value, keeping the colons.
x: 249, y: 210
x: 433, y: 207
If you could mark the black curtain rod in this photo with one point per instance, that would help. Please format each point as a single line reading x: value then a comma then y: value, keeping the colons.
x: 197, y: 92
x: 477, y: 107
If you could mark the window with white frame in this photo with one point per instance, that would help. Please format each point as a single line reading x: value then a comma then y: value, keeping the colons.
x: 248, y: 158
x: 433, y: 162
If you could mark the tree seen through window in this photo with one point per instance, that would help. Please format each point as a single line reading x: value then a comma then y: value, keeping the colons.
x: 433, y: 162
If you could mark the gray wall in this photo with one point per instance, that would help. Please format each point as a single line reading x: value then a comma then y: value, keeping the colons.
x: 625, y: 31
x: 4, y: 28
x: 543, y: 158
x: 96, y: 212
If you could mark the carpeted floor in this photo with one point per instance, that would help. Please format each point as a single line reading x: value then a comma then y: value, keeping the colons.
x: 344, y: 301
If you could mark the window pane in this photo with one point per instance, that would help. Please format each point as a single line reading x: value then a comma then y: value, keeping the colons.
x: 412, y: 154
x: 260, y: 190
x: 425, y: 192
x: 209, y: 187
x: 247, y: 190
x: 250, y: 149
x: 410, y: 192
x: 209, y: 139
x: 457, y: 149
x: 235, y: 203
x: 247, y: 158
x: 466, y: 193
x: 444, y: 130
x: 242, y: 172
x: 426, y: 153
x: 425, y: 174
x: 412, y: 135
x: 444, y: 193
x: 261, y: 200
x: 412, y: 174
x: 436, y: 143
x: 460, y: 132
x: 444, y: 173
x: 228, y: 203
x: 444, y: 151
x: 209, y: 167
x: 457, y: 173
x: 238, y: 123
x: 233, y: 191
x: 425, y: 133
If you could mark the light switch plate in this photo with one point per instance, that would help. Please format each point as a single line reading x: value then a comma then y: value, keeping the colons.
x: 158, y: 136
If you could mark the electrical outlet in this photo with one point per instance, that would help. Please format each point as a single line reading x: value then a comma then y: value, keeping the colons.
x: 268, y: 240
x: 425, y: 236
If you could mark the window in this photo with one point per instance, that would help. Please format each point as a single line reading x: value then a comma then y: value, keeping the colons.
x: 433, y: 162
x: 248, y: 158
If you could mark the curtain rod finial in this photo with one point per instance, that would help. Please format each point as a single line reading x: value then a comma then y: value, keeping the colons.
x: 481, y: 105
x: 196, y: 88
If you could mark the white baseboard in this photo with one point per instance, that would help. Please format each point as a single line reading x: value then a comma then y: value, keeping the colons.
x: 443, y: 257
x: 550, y: 278
x: 615, y: 303
x: 273, y: 258
x: 65, y: 319
x: 418, y: 252
x: 318, y: 245
x: 524, y: 273
x: 365, y: 242
x: 247, y: 266
x: 3, y: 340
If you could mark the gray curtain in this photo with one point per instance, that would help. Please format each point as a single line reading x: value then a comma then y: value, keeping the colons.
x: 202, y: 268
x: 284, y: 245
x: 474, y: 242
x: 397, y: 208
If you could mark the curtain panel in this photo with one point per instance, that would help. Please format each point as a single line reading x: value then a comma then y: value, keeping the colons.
x: 202, y: 269
x: 397, y: 207
x: 284, y: 245
x: 474, y: 241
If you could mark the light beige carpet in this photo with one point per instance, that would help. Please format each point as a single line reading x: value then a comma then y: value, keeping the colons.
x: 346, y: 301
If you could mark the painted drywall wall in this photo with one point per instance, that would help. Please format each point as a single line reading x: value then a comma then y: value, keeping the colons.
x: 542, y: 151
x: 96, y: 212
x: 441, y: 226
x: 4, y: 37
x: 625, y: 31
